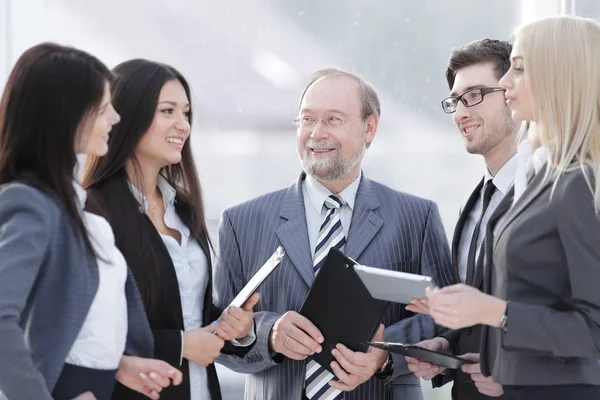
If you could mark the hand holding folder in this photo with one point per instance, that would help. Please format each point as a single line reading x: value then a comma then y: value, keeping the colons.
x: 340, y: 306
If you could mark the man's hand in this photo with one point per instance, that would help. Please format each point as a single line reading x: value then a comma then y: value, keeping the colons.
x: 202, y: 346
x: 295, y: 336
x: 353, y: 368
x: 424, y: 369
x: 485, y: 385
x: 235, y: 322
x: 145, y: 375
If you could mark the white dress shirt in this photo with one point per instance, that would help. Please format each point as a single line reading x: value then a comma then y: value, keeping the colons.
x: 502, y: 180
x: 191, y: 268
x: 101, y: 340
x: 529, y: 162
x: 314, y: 194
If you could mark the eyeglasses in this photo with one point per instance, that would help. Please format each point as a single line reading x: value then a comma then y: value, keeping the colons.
x: 469, y: 98
x: 306, y: 122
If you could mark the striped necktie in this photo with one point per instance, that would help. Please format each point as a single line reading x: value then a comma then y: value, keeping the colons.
x: 331, y: 234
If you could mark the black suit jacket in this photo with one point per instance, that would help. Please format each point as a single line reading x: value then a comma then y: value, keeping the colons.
x: 167, y: 321
x: 465, y: 340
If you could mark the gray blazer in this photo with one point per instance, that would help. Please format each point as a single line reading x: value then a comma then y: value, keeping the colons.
x: 389, y: 229
x: 546, y: 263
x: 47, y: 284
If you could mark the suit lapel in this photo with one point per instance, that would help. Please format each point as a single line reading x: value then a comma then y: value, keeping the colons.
x: 293, y: 233
x: 365, y: 223
x: 533, y: 190
x: 460, y: 224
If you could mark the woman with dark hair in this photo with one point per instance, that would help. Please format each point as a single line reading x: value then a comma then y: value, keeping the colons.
x: 68, y: 307
x: 148, y: 189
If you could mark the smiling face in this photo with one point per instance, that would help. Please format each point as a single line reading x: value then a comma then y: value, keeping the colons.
x: 518, y: 92
x: 329, y: 152
x: 161, y: 145
x: 488, y: 123
x: 96, y: 128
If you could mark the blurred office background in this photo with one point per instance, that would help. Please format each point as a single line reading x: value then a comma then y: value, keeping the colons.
x: 248, y: 61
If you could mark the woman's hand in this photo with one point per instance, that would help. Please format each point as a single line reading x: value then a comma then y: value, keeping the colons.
x: 202, y: 345
x: 235, y: 322
x: 460, y: 306
x: 147, y: 376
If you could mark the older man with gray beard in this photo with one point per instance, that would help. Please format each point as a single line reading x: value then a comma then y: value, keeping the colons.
x: 332, y: 204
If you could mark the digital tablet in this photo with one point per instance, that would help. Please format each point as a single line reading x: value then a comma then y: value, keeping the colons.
x: 434, y: 357
x: 395, y: 286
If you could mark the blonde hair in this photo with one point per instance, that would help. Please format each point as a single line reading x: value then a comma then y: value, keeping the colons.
x: 561, y: 58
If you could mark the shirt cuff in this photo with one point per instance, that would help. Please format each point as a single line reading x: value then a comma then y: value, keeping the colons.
x: 247, y: 340
x: 181, y: 355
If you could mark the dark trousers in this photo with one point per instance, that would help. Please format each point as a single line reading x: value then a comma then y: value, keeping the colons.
x: 555, y: 392
x: 74, y: 381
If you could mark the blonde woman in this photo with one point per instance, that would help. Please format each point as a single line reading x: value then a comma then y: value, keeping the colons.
x: 542, y: 316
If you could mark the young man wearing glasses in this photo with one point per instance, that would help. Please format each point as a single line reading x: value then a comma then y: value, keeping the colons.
x: 479, y: 110
x: 332, y: 204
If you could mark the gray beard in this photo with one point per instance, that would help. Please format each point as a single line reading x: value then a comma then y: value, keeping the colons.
x: 331, y: 168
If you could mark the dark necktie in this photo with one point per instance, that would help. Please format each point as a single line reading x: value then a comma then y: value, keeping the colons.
x: 488, y: 192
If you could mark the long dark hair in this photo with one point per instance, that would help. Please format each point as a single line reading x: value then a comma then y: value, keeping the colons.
x: 49, y: 94
x: 135, y: 95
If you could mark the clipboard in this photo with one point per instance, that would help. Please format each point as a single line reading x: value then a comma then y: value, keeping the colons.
x: 340, y: 306
x: 445, y: 360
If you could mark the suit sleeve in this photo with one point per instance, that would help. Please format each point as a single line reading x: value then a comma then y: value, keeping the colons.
x: 25, y: 233
x: 435, y: 262
x: 574, y: 332
x: 228, y: 281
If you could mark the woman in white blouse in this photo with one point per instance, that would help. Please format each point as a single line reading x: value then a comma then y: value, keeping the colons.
x: 69, y: 309
x: 147, y: 186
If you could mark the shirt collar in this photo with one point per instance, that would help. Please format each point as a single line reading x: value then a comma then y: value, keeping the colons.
x: 505, y: 177
x: 530, y: 157
x: 167, y: 191
x: 318, y: 193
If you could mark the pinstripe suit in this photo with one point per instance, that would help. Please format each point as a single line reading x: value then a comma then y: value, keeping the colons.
x: 389, y: 229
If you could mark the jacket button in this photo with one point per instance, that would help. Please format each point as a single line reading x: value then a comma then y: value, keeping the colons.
x: 466, y: 331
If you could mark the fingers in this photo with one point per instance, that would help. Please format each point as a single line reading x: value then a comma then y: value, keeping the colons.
x: 165, y: 372
x: 489, y: 388
x: 471, y: 368
x: 355, y: 357
x: 307, y: 326
x: 470, y: 356
x: 225, y: 331
x: 85, y: 396
x: 346, y: 364
x: 346, y: 383
x: 150, y: 384
x: 251, y: 302
x: 210, y: 328
x: 420, y: 306
x: 297, y: 345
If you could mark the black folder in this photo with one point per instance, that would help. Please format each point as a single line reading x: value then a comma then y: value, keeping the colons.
x: 341, y: 307
x: 422, y: 354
